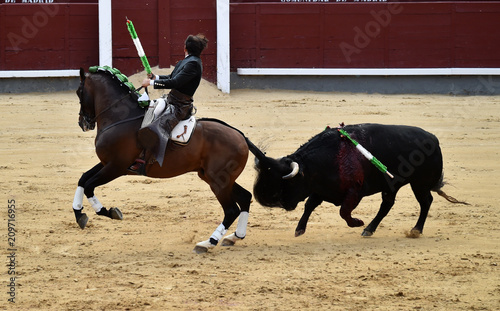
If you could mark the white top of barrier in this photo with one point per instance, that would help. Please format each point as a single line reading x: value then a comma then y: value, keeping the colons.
x: 38, y: 73
x: 365, y: 71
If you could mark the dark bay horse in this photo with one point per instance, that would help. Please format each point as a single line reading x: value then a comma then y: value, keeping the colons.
x: 216, y: 151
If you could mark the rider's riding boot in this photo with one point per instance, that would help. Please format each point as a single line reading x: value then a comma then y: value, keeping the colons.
x: 154, y: 137
x: 148, y: 138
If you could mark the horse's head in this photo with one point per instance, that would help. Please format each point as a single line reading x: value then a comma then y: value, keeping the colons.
x: 86, y: 119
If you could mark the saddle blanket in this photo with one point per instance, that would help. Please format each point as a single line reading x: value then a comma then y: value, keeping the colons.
x: 182, y: 132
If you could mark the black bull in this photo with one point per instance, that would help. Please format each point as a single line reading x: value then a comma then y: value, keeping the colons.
x: 330, y: 168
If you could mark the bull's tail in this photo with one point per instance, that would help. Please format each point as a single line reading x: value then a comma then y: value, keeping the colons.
x: 449, y: 198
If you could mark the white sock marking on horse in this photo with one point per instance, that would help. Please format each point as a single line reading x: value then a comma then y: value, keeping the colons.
x: 78, y: 199
x: 241, y: 229
x: 219, y: 232
x: 96, y: 205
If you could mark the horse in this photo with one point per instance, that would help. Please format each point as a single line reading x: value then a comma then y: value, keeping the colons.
x: 217, y: 151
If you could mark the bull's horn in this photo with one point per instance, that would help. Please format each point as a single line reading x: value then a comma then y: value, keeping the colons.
x: 295, y: 170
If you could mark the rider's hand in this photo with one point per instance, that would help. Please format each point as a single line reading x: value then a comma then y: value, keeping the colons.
x: 151, y: 76
x: 146, y: 82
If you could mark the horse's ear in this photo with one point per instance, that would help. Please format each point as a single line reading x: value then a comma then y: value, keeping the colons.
x: 82, y: 74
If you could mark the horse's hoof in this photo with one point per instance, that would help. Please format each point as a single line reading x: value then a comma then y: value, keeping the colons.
x: 203, y: 247
x: 366, y: 233
x: 115, y: 213
x: 355, y: 222
x: 231, y: 239
x: 200, y: 249
x: 82, y: 220
x: 227, y: 242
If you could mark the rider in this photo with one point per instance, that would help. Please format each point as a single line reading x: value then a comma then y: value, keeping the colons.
x: 183, y: 82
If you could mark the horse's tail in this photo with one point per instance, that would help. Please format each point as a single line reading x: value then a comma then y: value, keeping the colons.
x: 253, y: 149
x: 449, y: 198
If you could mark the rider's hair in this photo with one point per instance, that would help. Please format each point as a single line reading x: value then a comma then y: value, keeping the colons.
x: 196, y: 44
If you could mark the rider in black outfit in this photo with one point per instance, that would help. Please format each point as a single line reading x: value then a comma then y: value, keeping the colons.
x: 183, y: 82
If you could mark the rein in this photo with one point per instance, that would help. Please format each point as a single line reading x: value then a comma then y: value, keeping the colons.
x: 116, y: 102
x: 89, y: 121
x: 118, y: 123
x: 94, y: 119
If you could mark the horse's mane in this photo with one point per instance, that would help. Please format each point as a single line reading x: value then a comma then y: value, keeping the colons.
x: 120, y: 81
x: 112, y: 74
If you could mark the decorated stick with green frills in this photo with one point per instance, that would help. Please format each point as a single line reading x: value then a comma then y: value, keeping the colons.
x: 138, y: 46
x: 367, y: 154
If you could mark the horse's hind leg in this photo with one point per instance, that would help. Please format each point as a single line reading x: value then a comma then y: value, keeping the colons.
x: 243, y: 198
x: 231, y: 212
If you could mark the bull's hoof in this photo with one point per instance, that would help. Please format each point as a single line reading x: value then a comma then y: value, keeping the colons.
x: 82, y: 220
x: 414, y: 233
x: 366, y: 233
x: 299, y: 232
x: 115, y: 213
x: 203, y: 247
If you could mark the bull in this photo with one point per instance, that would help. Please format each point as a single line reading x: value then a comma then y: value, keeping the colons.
x: 330, y: 168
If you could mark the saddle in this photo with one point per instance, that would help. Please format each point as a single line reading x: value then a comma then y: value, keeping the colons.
x: 161, y: 124
x: 181, y: 133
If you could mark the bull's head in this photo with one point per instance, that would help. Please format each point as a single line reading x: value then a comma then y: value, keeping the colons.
x: 279, y: 182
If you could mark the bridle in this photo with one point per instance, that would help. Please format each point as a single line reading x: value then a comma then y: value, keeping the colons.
x: 89, y: 122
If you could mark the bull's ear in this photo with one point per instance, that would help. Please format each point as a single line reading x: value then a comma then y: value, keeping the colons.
x: 82, y: 74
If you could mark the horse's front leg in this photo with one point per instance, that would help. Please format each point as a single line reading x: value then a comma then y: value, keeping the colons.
x: 82, y: 218
x: 91, y: 179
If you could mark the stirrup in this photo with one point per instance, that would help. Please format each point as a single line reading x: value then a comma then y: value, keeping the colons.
x: 139, y: 166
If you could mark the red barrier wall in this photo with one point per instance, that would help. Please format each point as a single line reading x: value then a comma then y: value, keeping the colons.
x: 365, y: 35
x: 268, y: 34
x: 66, y: 35
x: 162, y: 27
x: 55, y: 36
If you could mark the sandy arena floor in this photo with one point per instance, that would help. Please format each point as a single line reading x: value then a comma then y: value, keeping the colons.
x: 145, y: 262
